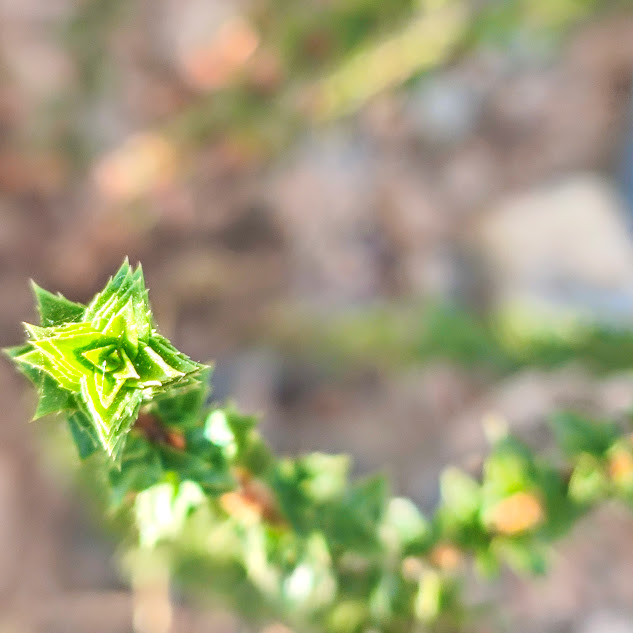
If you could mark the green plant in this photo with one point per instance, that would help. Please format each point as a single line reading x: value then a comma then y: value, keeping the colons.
x: 292, y: 539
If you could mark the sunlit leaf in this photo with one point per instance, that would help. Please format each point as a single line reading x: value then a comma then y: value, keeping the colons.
x: 104, y: 360
x: 55, y: 309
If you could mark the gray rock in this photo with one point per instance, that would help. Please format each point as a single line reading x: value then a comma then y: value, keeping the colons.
x: 607, y: 622
x: 562, y: 247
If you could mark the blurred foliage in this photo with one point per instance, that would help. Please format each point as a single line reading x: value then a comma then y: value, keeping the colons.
x: 310, y: 548
x: 295, y: 539
x: 266, y: 74
x: 501, y: 343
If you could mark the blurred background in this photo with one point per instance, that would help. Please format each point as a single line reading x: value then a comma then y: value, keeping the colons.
x: 385, y: 220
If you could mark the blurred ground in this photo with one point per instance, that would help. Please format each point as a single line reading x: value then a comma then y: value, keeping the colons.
x: 497, y: 180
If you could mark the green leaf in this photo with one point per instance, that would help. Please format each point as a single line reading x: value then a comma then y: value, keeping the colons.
x: 161, y: 510
x: 153, y: 369
x: 83, y: 434
x: 525, y: 557
x: 252, y: 452
x: 122, y: 309
x: 114, y: 421
x: 171, y: 356
x: 310, y: 483
x: 184, y: 408
x: 140, y: 467
x: 212, y: 475
x: 287, y: 481
x: 218, y: 432
x: 34, y: 374
x: 54, y: 351
x: 428, y: 600
x: 487, y: 563
x: 353, y: 523
x: 56, y: 309
x: 348, y: 616
x: 16, y: 351
x: 386, y: 600
x: 589, y: 482
x: 508, y: 469
x: 326, y: 476
x: 311, y: 584
x: 241, y: 425
x: 52, y: 399
x: 461, y: 495
x: 576, y: 434
x: 411, y: 530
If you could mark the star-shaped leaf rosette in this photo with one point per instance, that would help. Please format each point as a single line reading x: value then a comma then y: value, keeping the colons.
x: 99, y: 363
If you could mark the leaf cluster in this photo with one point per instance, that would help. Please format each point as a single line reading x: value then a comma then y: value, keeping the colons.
x: 99, y: 363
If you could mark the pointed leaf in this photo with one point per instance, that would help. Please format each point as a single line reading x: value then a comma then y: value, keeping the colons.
x: 17, y: 350
x: 171, y: 356
x: 52, y: 398
x: 184, y: 407
x: 56, y: 309
x: 139, y: 468
x: 153, y: 368
x: 83, y: 434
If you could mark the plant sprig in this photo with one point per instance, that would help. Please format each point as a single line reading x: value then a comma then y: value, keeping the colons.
x: 99, y: 363
x: 294, y: 539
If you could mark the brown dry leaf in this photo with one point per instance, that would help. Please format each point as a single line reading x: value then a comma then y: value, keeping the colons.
x: 621, y: 467
x: 518, y: 513
x: 252, y: 502
x: 446, y: 556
